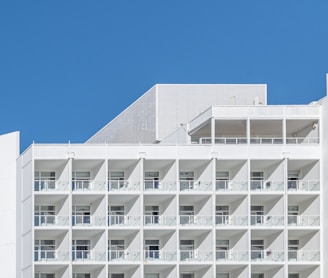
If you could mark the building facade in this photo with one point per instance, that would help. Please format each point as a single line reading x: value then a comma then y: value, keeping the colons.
x: 190, y: 181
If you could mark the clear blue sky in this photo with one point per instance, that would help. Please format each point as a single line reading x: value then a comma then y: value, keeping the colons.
x: 68, y: 67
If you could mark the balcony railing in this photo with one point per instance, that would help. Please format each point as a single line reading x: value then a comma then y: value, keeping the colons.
x: 226, y: 185
x: 267, y: 185
x: 303, y: 185
x: 266, y: 140
x: 160, y: 185
x: 195, y: 185
x: 122, y: 185
x: 88, y: 255
x: 124, y: 255
x: 87, y: 220
x: 267, y: 255
x: 230, y: 255
x: 88, y: 185
x: 267, y: 220
x: 50, y: 255
x: 195, y: 220
x: 123, y: 220
x: 196, y: 255
x: 303, y: 255
x: 159, y: 220
x: 231, y: 220
x: 303, y: 220
x: 51, y: 220
x: 50, y: 185
x: 302, y: 140
x: 160, y: 255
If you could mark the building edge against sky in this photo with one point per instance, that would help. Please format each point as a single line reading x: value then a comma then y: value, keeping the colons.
x: 152, y: 107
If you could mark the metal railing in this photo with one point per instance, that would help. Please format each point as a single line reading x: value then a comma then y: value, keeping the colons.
x: 302, y: 140
x: 303, y: 220
x: 267, y: 185
x: 231, y: 185
x: 196, y: 255
x: 267, y: 220
x: 160, y: 185
x: 85, y: 220
x: 266, y: 140
x: 304, y: 255
x: 122, y: 185
x: 51, y: 220
x: 50, y: 255
x: 231, y: 220
x: 195, y: 185
x: 88, y: 185
x: 231, y: 255
x: 160, y: 255
x: 123, y: 220
x: 268, y: 255
x: 195, y: 220
x: 124, y: 255
x: 88, y: 255
x: 160, y: 220
x: 50, y: 185
x: 303, y: 185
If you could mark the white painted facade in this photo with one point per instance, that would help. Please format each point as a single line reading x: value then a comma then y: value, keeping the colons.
x: 221, y: 185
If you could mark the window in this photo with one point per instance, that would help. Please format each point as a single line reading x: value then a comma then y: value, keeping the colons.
x: 187, y: 215
x: 293, y: 180
x: 186, y: 180
x: 187, y: 275
x: 81, y: 180
x: 81, y: 215
x: 44, y: 250
x: 293, y: 275
x: 151, y: 275
x: 257, y: 215
x: 44, y: 275
x: 187, y: 247
x: 44, y: 215
x: 81, y: 275
x: 151, y: 180
x: 116, y: 215
x: 81, y: 250
x: 222, y: 249
x: 44, y: 181
x: 222, y: 275
x: 293, y: 246
x: 117, y: 275
x: 151, y: 249
x: 257, y: 248
x: 293, y: 214
x: 257, y: 275
x: 151, y: 215
x: 116, y: 249
x: 256, y: 180
x: 116, y: 180
x: 222, y: 215
x: 222, y: 179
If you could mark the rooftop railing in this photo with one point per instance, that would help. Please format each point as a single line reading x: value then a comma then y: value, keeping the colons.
x: 302, y: 140
x: 303, y: 255
x: 266, y: 140
x: 231, y: 185
x: 267, y: 255
x: 267, y: 185
x: 51, y: 220
x: 267, y: 220
x: 303, y: 220
x: 50, y: 185
x: 232, y: 255
x: 123, y: 220
x: 195, y: 185
x: 303, y: 185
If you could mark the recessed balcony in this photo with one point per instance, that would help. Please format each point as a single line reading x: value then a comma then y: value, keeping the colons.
x: 267, y: 185
x: 50, y: 185
x: 196, y: 255
x: 160, y: 255
x: 88, y: 185
x: 51, y: 256
x: 124, y: 220
x: 123, y: 185
x: 190, y: 185
x: 231, y: 220
x: 155, y: 185
x: 88, y: 220
x: 195, y: 220
x: 304, y: 220
x: 231, y: 185
x: 267, y: 255
x: 88, y: 255
x: 303, y: 185
x: 232, y: 255
x: 267, y: 220
x: 159, y: 220
x: 50, y: 220
x: 303, y: 256
x: 124, y: 255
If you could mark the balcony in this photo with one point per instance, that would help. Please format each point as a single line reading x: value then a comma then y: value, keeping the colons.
x: 303, y: 255
x: 193, y: 220
x: 267, y: 255
x: 303, y: 220
x: 124, y: 255
x: 188, y: 185
x: 232, y: 256
x: 50, y: 185
x: 226, y: 185
x: 303, y: 185
x: 231, y: 220
x: 51, y: 256
x: 88, y: 255
x: 51, y: 220
x: 122, y: 185
x: 302, y: 140
x: 267, y: 220
x: 88, y: 185
x: 123, y: 220
x: 196, y: 255
x: 150, y: 185
x: 160, y: 255
x: 87, y: 220
x: 266, y: 140
x: 268, y: 185
x: 159, y: 220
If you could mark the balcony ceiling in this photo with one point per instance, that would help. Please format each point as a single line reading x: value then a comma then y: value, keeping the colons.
x: 49, y: 268
x: 122, y: 199
x: 157, y: 164
x: 227, y: 199
x: 229, y: 164
x: 265, y: 267
x: 49, y: 164
x: 299, y: 164
x: 157, y: 199
x: 223, y: 234
x: 49, y: 199
x: 120, y: 164
x: 294, y: 126
x: 157, y: 268
x: 87, y: 164
x: 261, y: 233
x: 192, y: 267
x: 300, y: 198
x: 86, y: 199
x: 264, y: 164
x: 158, y: 233
x: 121, y: 233
x: 87, y: 267
x: 187, y: 165
x: 50, y: 233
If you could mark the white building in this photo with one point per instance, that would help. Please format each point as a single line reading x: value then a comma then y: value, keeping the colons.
x: 189, y: 181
